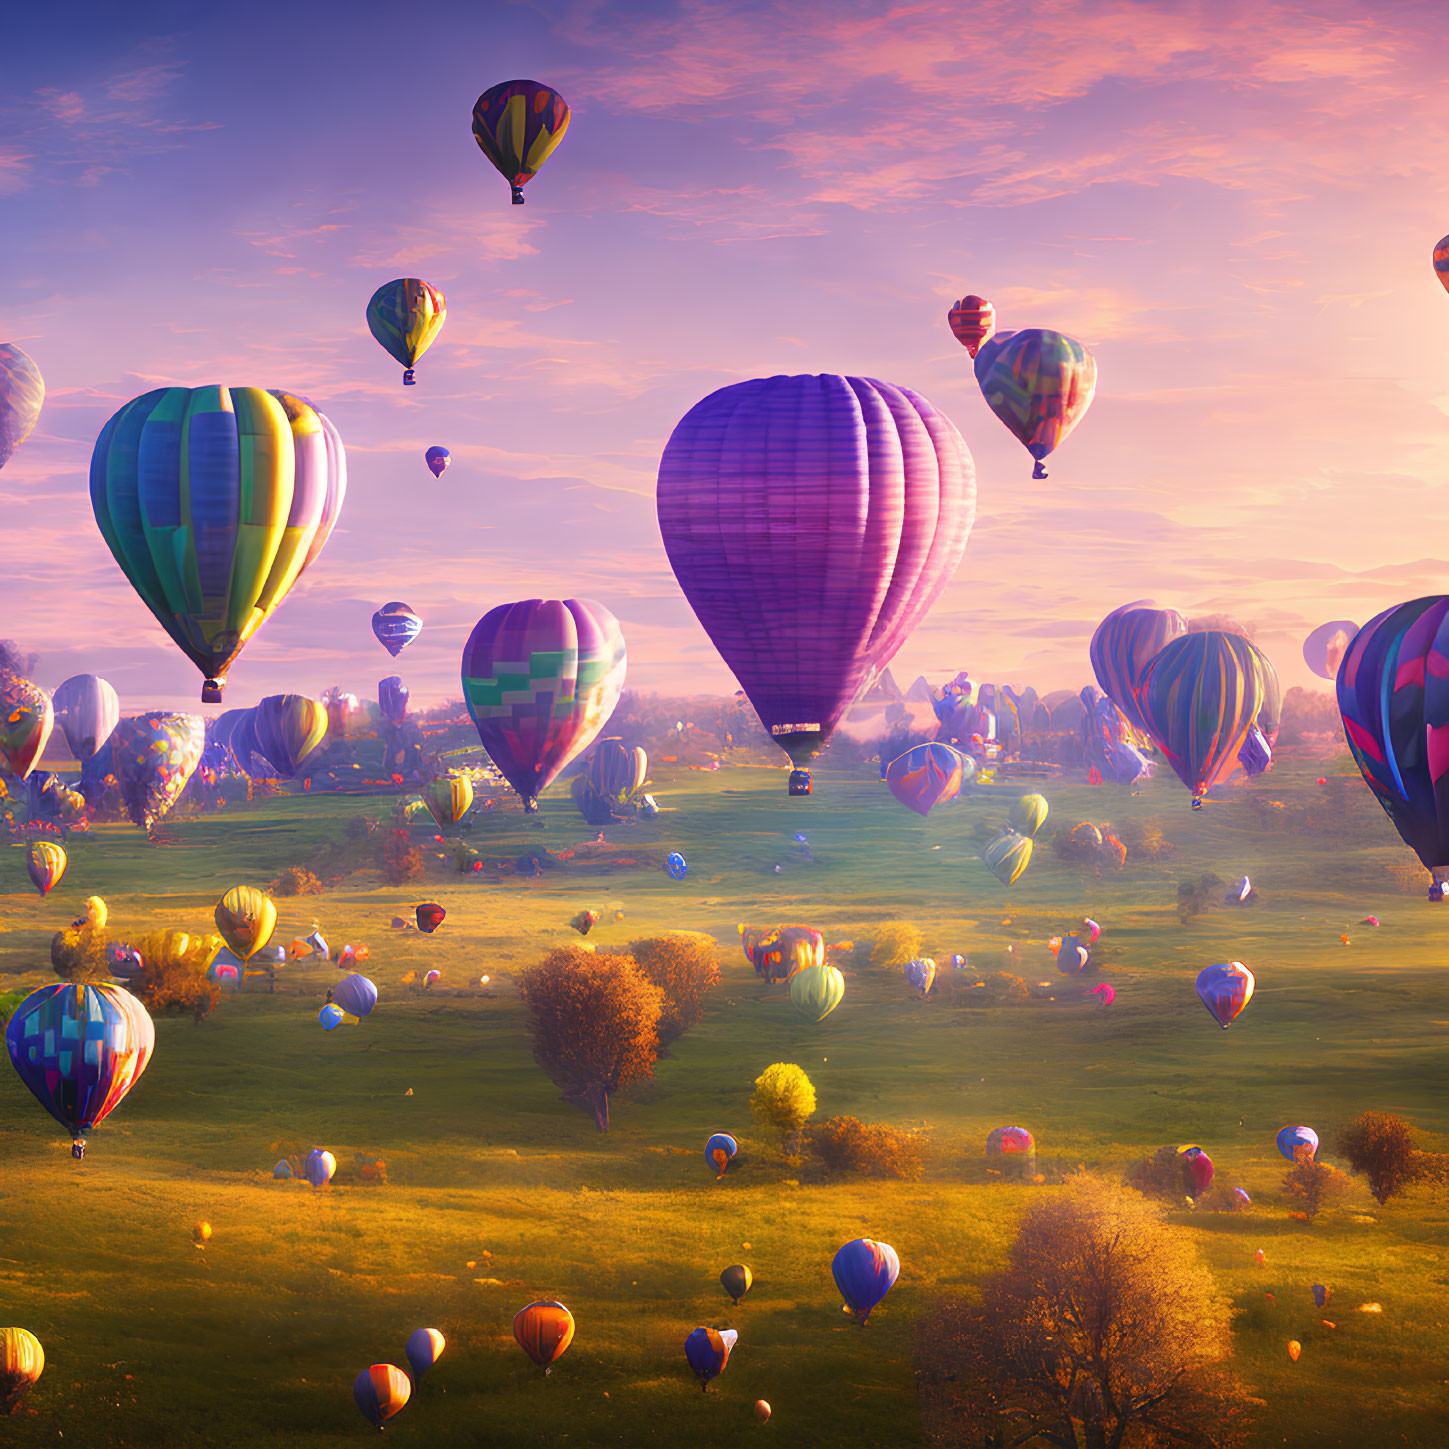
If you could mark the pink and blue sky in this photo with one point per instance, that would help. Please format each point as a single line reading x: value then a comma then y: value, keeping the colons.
x: 1233, y: 204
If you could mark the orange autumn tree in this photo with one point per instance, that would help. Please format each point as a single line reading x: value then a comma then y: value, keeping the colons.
x: 595, y: 1022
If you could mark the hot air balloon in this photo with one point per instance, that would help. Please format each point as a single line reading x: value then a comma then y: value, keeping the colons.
x: 816, y: 991
x: 921, y: 974
x: 22, y: 391
x: 355, y: 994
x: 22, y: 1361
x: 1008, y: 856
x: 87, y: 710
x: 811, y: 523
x: 320, y: 1167
x: 396, y: 626
x: 448, y: 798
x: 1040, y: 384
x: 1201, y: 695
x: 45, y: 863
x: 1324, y: 648
x: 242, y: 487
x: 708, y: 1351
x: 152, y: 757
x: 1029, y: 814
x: 432, y: 978
x: 26, y: 719
x: 584, y: 922
x: 1123, y: 645
x: 392, y: 699
x: 517, y: 125
x: 1010, y: 1142
x: 424, y: 1348
x: 405, y: 315
x: 928, y: 774
x: 1072, y: 955
x: 544, y: 1331
x: 1293, y: 1139
x: 289, y: 729
x: 1395, y: 706
x: 429, y: 916
x: 437, y: 460
x: 381, y: 1391
x: 540, y: 679
x: 617, y: 772
x: 1321, y: 1295
x: 1105, y: 993
x: 973, y: 321
x: 865, y: 1271
x: 736, y: 1281
x: 1441, y: 270
x: 1225, y: 991
x: 781, y: 954
x: 1197, y: 1170
x: 719, y: 1152
x: 245, y: 919
x: 80, y: 1048
x: 332, y: 1016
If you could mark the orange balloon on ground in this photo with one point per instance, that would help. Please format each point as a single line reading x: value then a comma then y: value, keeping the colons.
x: 762, y: 1411
x: 1294, y: 1349
x: 544, y: 1331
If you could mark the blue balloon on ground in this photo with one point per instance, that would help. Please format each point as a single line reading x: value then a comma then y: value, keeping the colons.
x: 1291, y: 1139
x: 330, y: 1016
x: 720, y: 1151
x: 677, y: 865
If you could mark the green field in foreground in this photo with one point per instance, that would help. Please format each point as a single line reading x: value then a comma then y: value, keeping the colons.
x: 256, y: 1340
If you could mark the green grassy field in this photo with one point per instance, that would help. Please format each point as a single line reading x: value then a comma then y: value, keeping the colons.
x: 256, y: 1340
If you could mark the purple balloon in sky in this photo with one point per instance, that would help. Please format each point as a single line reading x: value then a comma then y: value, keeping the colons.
x: 811, y: 523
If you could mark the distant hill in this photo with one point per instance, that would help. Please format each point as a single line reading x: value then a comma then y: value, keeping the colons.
x: 920, y: 691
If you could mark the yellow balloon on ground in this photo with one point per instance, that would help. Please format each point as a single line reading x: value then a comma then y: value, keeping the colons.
x: 246, y: 919
x: 1029, y: 814
x: 448, y: 798
x: 22, y: 1361
x: 816, y: 991
x: 1008, y: 856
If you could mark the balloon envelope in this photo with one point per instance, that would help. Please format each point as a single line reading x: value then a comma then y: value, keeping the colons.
x: 404, y: 316
x: 973, y: 321
x: 26, y: 719
x: 214, y: 501
x: 396, y: 626
x: 424, y: 1348
x: 289, y: 729
x: 381, y: 1391
x: 1123, y: 645
x: 543, y: 1331
x: 865, y: 1271
x: 617, y: 771
x: 355, y: 994
x: 1008, y: 856
x: 719, y: 1152
x: 1225, y: 991
x: 1291, y: 1139
x: 22, y: 391
x: 45, y: 863
x: 429, y: 917
x: 517, y: 125
x: 1324, y: 648
x: 541, y: 678
x: 1197, y: 1171
x: 319, y: 1167
x: 392, y: 699
x: 816, y: 991
x: 437, y: 460
x: 1010, y: 1142
x: 811, y: 523
x: 708, y: 1351
x: 22, y: 1361
x: 246, y: 918
x: 921, y: 974
x: 1029, y: 814
x: 1441, y: 270
x: 88, y: 710
x: 448, y: 798
x: 925, y: 776
x: 736, y: 1280
x: 1040, y: 383
x: 676, y: 865
x: 152, y: 757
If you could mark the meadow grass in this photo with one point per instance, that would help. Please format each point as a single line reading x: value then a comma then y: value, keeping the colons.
x: 256, y: 1339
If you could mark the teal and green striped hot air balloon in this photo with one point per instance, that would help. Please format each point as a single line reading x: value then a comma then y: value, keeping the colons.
x: 214, y: 500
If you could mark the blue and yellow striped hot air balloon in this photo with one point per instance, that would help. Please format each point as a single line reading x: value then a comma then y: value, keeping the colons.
x: 448, y: 798
x: 22, y: 391
x: 214, y: 500
x: 517, y: 125
x: 405, y: 316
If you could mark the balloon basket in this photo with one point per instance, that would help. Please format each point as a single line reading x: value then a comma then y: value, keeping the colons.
x: 799, y: 782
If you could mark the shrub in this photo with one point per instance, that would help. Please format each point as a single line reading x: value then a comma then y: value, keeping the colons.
x: 847, y: 1145
x: 1381, y: 1146
x: 1144, y: 839
x: 1163, y: 1175
x: 684, y: 966
x: 402, y: 861
x: 1195, y: 896
x: 9, y: 1000
x: 172, y: 979
x: 296, y: 880
x: 78, y: 953
x: 1313, y: 1186
x: 892, y: 944
x: 783, y: 1100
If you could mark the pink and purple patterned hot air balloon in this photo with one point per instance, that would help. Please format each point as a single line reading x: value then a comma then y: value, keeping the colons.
x: 926, y: 775
x: 1225, y: 991
x: 396, y: 626
x: 811, y: 523
x: 540, y: 679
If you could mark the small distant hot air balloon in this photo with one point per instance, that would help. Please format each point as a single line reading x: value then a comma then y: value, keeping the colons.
x: 1225, y: 991
x: 1093, y: 930
x: 26, y: 719
x: 762, y: 1411
x: 355, y: 994
x: 865, y: 1271
x: 708, y: 1351
x: 1294, y: 1349
x: 584, y: 922
x: 973, y: 321
x: 1197, y: 1170
x: 1321, y: 1295
x: 80, y: 1048
x: 201, y: 1234
x: 1107, y: 994
x: 736, y: 1281
x: 616, y: 771
x: 429, y: 916
x: 22, y: 391
x: 437, y: 460
x: 1029, y: 814
x: 22, y: 1359
x: 781, y: 954
x: 245, y: 919
x: 719, y: 1152
x: 517, y: 124
x: 1008, y: 856
x: 816, y: 991
x: 926, y: 775
x: 424, y: 1348
x: 1040, y: 384
x: 381, y: 1391
x: 45, y: 863
x: 448, y: 798
x: 405, y: 315
x: 1072, y: 956
x: 1441, y: 270
x: 88, y: 710
x: 676, y: 865
x: 1010, y: 1142
x: 1291, y: 1140
x: 320, y: 1167
x: 544, y: 1331
x: 921, y: 974
x: 396, y: 626
x: 432, y: 978
x: 1324, y: 648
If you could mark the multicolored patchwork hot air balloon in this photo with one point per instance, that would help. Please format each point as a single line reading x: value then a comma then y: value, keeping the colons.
x: 214, y: 501
x: 152, y: 758
x: 80, y: 1048
x: 88, y: 710
x: 784, y: 952
x: 1010, y: 1142
x: 405, y: 315
x: 1123, y: 645
x: 865, y: 1271
x: 396, y: 626
x: 544, y: 1331
x: 517, y: 125
x: 45, y: 863
x: 1040, y: 384
x: 245, y: 918
x: 926, y: 775
x: 381, y: 1391
x: 811, y: 523
x: 1324, y: 648
x: 1393, y: 694
x: 816, y: 991
x: 708, y: 1351
x: 22, y: 391
x: 437, y: 460
x: 540, y: 679
x: 289, y: 729
x: 448, y: 798
x: 973, y: 322
x: 22, y: 1361
x: 719, y: 1152
x: 1225, y: 991
x: 1201, y: 695
x: 1008, y: 856
x: 1293, y: 1140
x: 26, y: 720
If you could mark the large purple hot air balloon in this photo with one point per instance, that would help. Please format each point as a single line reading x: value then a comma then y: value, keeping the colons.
x: 811, y: 523
x: 1123, y: 646
x: 540, y: 679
